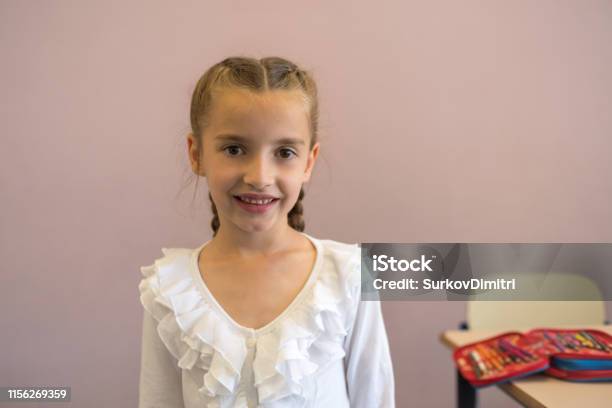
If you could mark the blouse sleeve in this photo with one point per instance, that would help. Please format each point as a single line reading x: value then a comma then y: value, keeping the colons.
x: 160, y: 376
x: 369, y: 371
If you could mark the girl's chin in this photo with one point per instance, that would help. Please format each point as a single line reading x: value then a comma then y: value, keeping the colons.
x: 256, y: 228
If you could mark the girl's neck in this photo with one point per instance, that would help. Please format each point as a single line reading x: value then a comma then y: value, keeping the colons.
x: 237, y: 243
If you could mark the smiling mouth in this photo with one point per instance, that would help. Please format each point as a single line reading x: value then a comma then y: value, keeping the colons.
x: 253, y: 201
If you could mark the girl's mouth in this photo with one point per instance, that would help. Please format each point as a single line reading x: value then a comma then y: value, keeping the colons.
x: 255, y: 206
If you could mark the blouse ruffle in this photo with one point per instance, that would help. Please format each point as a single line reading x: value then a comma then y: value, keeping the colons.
x: 288, y: 355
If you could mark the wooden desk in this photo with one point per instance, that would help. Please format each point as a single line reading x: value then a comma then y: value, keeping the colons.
x: 541, y: 390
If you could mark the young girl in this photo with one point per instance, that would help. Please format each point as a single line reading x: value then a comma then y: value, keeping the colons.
x: 263, y: 314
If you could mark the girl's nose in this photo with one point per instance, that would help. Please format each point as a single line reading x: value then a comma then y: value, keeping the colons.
x: 259, y: 173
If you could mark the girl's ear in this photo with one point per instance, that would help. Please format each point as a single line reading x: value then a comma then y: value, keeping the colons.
x: 194, y: 154
x: 312, y: 158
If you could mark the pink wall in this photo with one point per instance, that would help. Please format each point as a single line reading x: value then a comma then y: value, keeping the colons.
x: 475, y: 121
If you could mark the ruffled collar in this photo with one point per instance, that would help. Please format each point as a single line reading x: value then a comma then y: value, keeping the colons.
x: 305, y: 337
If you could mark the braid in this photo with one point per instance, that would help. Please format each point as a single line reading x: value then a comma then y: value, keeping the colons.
x: 215, y: 221
x: 295, y: 216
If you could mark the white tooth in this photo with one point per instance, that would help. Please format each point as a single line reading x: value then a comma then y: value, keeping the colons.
x: 259, y: 202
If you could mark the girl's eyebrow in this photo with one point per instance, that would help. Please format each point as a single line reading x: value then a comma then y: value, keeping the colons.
x: 242, y: 139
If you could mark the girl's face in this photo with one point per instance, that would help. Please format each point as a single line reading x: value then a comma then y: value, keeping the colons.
x: 255, y: 146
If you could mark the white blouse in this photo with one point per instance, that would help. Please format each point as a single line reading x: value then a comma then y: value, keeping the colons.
x: 327, y: 349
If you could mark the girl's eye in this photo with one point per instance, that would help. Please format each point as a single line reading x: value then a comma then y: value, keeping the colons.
x: 233, y: 150
x: 286, y: 153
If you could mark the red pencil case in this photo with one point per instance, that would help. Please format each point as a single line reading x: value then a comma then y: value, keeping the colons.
x: 497, y: 360
x: 575, y: 355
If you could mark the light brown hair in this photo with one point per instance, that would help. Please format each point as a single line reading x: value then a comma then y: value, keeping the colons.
x: 266, y: 74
